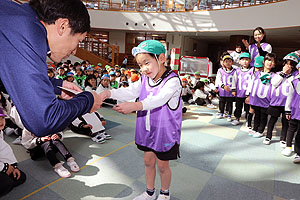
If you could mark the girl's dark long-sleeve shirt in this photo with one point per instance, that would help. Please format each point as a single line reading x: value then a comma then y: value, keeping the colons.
x: 23, y: 72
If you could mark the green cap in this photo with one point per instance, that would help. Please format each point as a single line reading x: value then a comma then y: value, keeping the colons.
x: 99, y: 64
x: 291, y: 56
x: 149, y: 46
x: 205, y: 80
x: 245, y: 55
x: 259, y: 62
x: 197, y: 73
x: 107, y: 67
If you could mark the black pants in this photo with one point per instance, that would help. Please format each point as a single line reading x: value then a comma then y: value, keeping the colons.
x: 274, y: 112
x: 200, y: 101
x: 52, y: 147
x: 226, y: 101
x: 294, y: 126
x: 240, y: 103
x: 260, y: 119
x: 8, y: 182
x: 187, y: 97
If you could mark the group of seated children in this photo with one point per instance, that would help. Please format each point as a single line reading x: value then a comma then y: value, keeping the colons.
x: 264, y: 94
x: 198, y: 90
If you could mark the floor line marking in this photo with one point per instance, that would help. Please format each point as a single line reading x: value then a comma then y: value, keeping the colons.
x: 36, y: 191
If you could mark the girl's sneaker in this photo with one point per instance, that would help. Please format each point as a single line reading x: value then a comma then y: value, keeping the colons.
x: 267, y: 141
x: 73, y: 165
x: 145, y: 196
x: 282, y: 144
x: 229, y: 118
x: 258, y: 135
x: 163, y: 197
x: 98, y: 138
x: 296, y: 159
x: 61, y: 171
x: 235, y: 122
x: 287, y: 151
x: 219, y: 116
x: 251, y: 131
x: 106, y: 136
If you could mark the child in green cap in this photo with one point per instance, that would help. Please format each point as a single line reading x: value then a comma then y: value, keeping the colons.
x: 159, y: 114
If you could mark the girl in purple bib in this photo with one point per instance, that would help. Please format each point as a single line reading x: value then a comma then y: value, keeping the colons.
x: 225, y: 81
x: 292, y: 109
x: 159, y: 114
x: 280, y: 89
x: 260, y: 94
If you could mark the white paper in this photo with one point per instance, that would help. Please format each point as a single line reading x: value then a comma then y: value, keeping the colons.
x: 68, y: 90
x: 91, y: 118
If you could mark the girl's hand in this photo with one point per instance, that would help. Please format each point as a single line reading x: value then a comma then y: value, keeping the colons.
x: 286, y: 69
x: 87, y: 126
x: 247, y: 100
x: 251, y: 110
x: 227, y: 88
x: 246, y: 43
x: 216, y: 90
x: 45, y: 139
x: 128, y: 107
x: 234, y: 94
x: 10, y: 170
x: 103, y: 123
x: 16, y: 173
x: 288, y: 117
x: 55, y: 137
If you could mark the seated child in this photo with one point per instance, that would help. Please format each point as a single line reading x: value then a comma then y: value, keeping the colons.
x: 90, y: 83
x: 105, y: 85
x: 186, y: 92
x: 50, y: 145
x: 91, y: 124
x: 10, y: 175
x: 202, y: 97
x: 113, y: 82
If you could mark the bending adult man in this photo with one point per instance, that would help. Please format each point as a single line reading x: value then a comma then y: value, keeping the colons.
x: 29, y: 32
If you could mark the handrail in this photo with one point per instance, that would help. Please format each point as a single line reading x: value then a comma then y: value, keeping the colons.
x: 169, y: 5
x: 100, y: 48
x: 172, y: 5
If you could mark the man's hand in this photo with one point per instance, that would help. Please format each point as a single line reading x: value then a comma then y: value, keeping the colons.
x: 103, y: 123
x: 68, y: 95
x: 16, y: 173
x: 128, y: 107
x: 98, y: 100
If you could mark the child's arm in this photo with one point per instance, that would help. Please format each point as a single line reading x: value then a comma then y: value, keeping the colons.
x: 172, y: 89
x: 289, y: 102
x: 125, y: 94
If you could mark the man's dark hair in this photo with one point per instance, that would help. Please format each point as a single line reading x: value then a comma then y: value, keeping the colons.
x: 74, y: 10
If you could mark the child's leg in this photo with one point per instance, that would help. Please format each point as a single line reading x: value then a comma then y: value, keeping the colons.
x: 263, y: 120
x: 50, y: 153
x: 238, y: 107
x: 165, y: 174
x: 62, y: 149
x: 6, y: 184
x: 293, y: 126
x: 297, y: 139
x: 285, y: 126
x: 271, y: 125
x: 150, y: 170
x: 229, y: 105
x: 222, y: 105
x: 256, y: 117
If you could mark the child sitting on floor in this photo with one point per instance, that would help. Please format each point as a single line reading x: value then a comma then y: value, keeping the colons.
x: 50, y: 145
x: 91, y: 124
x: 10, y: 175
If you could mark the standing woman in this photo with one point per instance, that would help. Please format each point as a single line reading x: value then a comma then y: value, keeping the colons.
x: 260, y: 47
